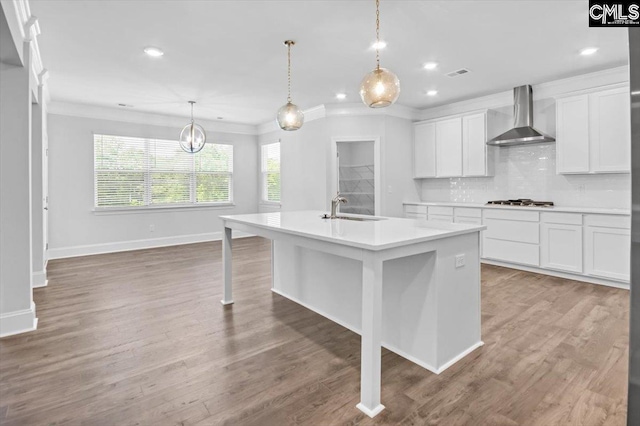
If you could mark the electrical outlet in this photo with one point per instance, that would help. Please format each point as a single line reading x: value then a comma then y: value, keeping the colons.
x: 389, y: 190
x: 152, y: 228
x: 460, y: 261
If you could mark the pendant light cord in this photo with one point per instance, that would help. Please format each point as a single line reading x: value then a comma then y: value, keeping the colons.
x: 191, y: 102
x: 378, y: 33
x: 288, y: 72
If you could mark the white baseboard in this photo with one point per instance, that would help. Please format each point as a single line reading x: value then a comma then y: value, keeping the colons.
x: 39, y: 279
x: 559, y: 274
x: 87, y: 250
x: 18, y: 321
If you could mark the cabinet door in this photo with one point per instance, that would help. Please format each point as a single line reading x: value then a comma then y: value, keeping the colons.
x: 424, y: 150
x: 610, y: 131
x: 474, y: 145
x: 561, y: 247
x: 607, y: 252
x: 572, y: 138
x: 449, y: 147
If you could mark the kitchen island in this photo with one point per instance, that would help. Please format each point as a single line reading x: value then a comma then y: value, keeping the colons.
x: 411, y: 286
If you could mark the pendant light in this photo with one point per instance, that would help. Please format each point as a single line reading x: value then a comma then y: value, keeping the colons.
x: 290, y: 117
x: 192, y: 137
x: 380, y: 87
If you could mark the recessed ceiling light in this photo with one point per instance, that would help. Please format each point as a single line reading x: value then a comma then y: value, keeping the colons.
x: 125, y: 105
x: 430, y: 65
x: 220, y: 118
x: 432, y: 92
x: 341, y: 96
x: 588, y: 51
x: 379, y: 44
x: 153, y: 51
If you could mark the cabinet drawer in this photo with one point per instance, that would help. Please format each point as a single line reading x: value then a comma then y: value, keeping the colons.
x: 512, y: 230
x: 467, y: 212
x: 413, y: 208
x: 421, y: 216
x: 512, y: 215
x: 561, y: 218
x: 441, y: 218
x: 607, y: 221
x: 441, y: 210
x: 511, y: 251
x: 469, y: 220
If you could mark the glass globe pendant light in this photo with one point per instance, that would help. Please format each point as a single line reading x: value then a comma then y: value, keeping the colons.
x: 192, y: 137
x: 379, y: 88
x: 289, y: 117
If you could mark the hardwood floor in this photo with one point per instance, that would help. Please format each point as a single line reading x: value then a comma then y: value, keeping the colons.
x: 140, y: 338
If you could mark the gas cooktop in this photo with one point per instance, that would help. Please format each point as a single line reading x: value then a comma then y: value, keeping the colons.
x: 524, y: 202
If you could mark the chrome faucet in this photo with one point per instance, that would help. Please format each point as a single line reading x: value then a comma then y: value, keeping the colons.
x: 334, y: 204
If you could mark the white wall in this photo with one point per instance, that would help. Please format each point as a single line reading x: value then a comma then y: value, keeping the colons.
x: 307, y: 172
x: 75, y: 229
x: 303, y: 161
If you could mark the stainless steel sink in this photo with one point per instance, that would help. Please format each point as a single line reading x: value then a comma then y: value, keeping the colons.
x: 357, y: 219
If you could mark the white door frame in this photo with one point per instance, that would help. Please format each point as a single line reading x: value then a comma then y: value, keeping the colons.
x: 376, y: 166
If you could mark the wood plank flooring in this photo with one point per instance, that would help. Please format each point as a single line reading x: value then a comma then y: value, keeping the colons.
x: 140, y: 338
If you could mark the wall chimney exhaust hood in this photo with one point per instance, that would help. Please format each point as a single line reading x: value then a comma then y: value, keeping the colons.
x: 523, y: 131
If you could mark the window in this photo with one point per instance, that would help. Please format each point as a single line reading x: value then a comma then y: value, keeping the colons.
x: 137, y: 172
x: 271, y: 172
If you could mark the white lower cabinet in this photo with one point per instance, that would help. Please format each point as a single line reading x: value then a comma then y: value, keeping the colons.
x: 410, y: 215
x: 607, y: 252
x: 441, y: 218
x: 511, y: 251
x: 594, y: 246
x: 561, y: 247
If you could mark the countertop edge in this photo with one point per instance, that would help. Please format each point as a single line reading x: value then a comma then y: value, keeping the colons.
x: 363, y: 246
x: 558, y: 209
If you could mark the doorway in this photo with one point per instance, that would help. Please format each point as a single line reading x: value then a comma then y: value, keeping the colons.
x: 356, y: 175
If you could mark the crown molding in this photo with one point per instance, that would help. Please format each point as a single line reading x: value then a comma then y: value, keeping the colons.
x: 551, y: 89
x: 359, y: 109
x: 24, y: 28
x: 137, y: 117
x: 345, y: 110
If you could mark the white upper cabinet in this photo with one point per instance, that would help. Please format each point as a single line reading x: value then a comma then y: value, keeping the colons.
x: 610, y: 113
x: 451, y: 147
x: 572, y: 134
x: 594, y: 132
x: 474, y: 145
x: 424, y: 150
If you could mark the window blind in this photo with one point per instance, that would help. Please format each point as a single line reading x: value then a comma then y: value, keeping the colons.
x: 132, y: 172
x: 271, y: 172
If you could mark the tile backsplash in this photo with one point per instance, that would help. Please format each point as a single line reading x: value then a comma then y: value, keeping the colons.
x: 529, y: 171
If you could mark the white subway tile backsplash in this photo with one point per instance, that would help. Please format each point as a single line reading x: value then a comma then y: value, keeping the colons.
x: 529, y: 171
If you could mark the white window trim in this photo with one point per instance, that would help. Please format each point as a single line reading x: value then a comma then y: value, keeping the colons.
x: 165, y: 207
x: 263, y: 180
x: 162, y: 208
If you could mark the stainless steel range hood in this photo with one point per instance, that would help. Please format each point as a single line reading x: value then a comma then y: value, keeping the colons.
x: 523, y: 131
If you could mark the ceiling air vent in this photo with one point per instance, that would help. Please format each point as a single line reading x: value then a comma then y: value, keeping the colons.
x: 457, y: 72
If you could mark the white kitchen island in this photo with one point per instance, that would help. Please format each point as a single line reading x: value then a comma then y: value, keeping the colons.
x: 411, y: 286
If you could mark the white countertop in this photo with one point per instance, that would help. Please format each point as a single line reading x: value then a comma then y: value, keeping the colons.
x: 371, y: 235
x: 588, y: 210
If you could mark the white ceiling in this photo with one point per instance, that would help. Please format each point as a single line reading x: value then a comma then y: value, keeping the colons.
x: 229, y: 56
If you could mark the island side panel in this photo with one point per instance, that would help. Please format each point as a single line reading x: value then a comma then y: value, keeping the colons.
x: 332, y: 286
x: 459, y: 310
